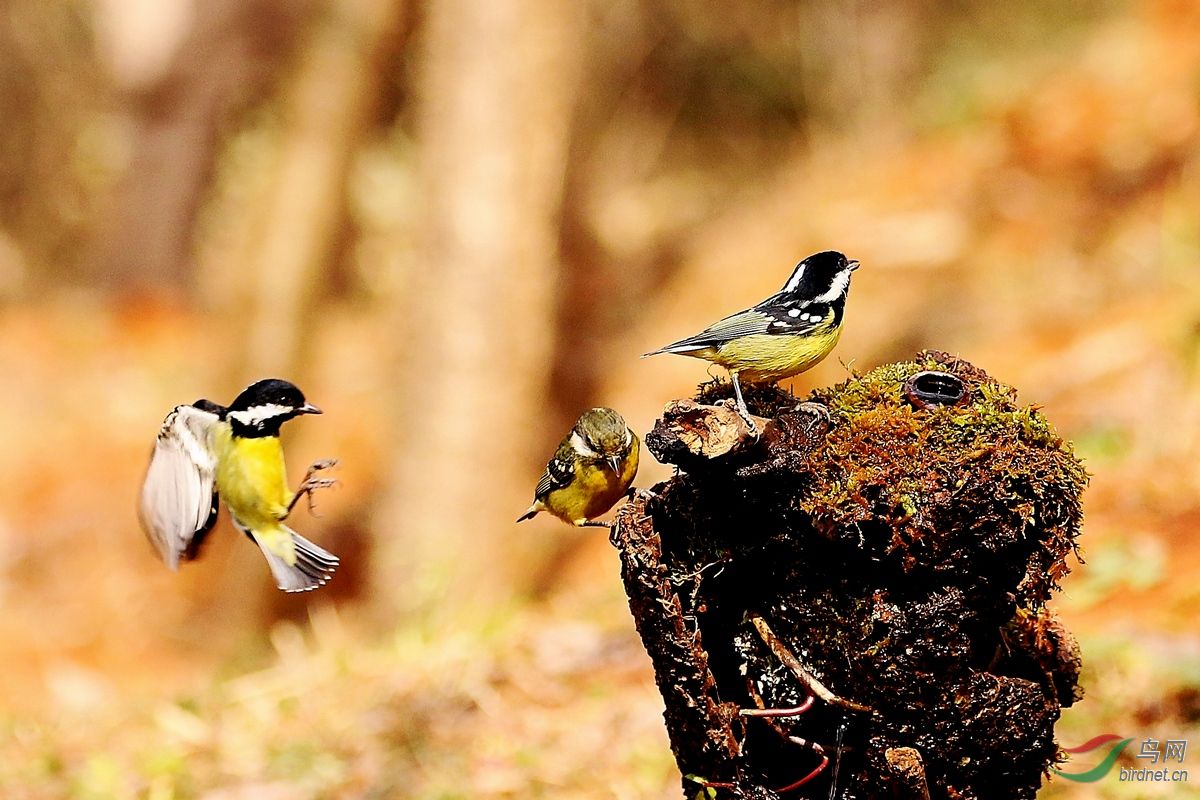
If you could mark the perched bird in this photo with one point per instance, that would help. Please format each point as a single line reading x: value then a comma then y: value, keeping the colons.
x: 591, y: 470
x: 782, y: 336
x: 205, y: 450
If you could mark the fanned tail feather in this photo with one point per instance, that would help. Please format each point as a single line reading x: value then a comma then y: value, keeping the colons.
x: 313, y: 568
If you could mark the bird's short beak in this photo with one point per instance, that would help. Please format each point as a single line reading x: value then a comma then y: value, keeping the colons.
x: 615, y: 463
x: 852, y: 265
x: 308, y: 408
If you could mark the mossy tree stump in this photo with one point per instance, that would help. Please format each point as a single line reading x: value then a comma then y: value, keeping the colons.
x: 887, y: 568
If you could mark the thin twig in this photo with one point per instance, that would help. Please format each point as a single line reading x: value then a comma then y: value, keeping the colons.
x: 809, y: 680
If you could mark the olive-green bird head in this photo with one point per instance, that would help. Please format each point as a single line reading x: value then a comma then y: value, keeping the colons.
x: 601, y: 433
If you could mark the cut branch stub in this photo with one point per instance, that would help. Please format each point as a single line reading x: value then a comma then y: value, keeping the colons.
x: 688, y: 431
x: 906, y: 764
x: 881, y: 574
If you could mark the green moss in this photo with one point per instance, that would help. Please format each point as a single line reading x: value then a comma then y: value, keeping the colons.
x: 886, y: 460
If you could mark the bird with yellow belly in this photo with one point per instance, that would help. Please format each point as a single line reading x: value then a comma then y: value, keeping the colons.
x: 591, y: 470
x: 786, y: 334
x: 205, y: 451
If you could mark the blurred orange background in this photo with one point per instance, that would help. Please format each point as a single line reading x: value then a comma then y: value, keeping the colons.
x: 456, y: 225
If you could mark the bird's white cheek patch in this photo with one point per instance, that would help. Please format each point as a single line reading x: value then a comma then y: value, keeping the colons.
x: 256, y: 415
x: 581, y: 447
x: 836, y: 289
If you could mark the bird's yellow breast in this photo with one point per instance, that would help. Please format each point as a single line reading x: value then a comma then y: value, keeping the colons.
x: 252, y: 477
x: 762, y: 358
x: 594, y: 490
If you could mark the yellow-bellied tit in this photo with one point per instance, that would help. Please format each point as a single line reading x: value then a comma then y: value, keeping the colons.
x: 591, y: 470
x: 205, y: 451
x: 782, y: 336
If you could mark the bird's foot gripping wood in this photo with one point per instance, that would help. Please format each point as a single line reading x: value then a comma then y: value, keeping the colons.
x: 818, y: 412
x: 742, y: 410
x: 312, y: 483
x: 634, y: 492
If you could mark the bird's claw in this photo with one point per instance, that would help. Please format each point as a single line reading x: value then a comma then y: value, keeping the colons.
x: 311, y: 484
x: 817, y: 412
x: 751, y: 425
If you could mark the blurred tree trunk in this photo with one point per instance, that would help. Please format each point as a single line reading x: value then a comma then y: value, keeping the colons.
x: 271, y: 270
x: 283, y: 240
x: 228, y: 60
x: 602, y: 291
x: 496, y: 91
x: 51, y: 89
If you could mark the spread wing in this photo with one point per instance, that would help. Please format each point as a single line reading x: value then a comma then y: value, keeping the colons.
x: 179, y: 496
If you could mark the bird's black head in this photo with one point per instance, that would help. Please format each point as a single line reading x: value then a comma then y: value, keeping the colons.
x: 263, y: 406
x: 822, y: 277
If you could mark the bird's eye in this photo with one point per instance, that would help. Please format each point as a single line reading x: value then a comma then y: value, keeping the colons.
x: 932, y: 388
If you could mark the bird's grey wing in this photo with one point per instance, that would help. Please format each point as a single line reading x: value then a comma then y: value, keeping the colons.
x: 559, y: 472
x: 743, y: 323
x: 179, y: 498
